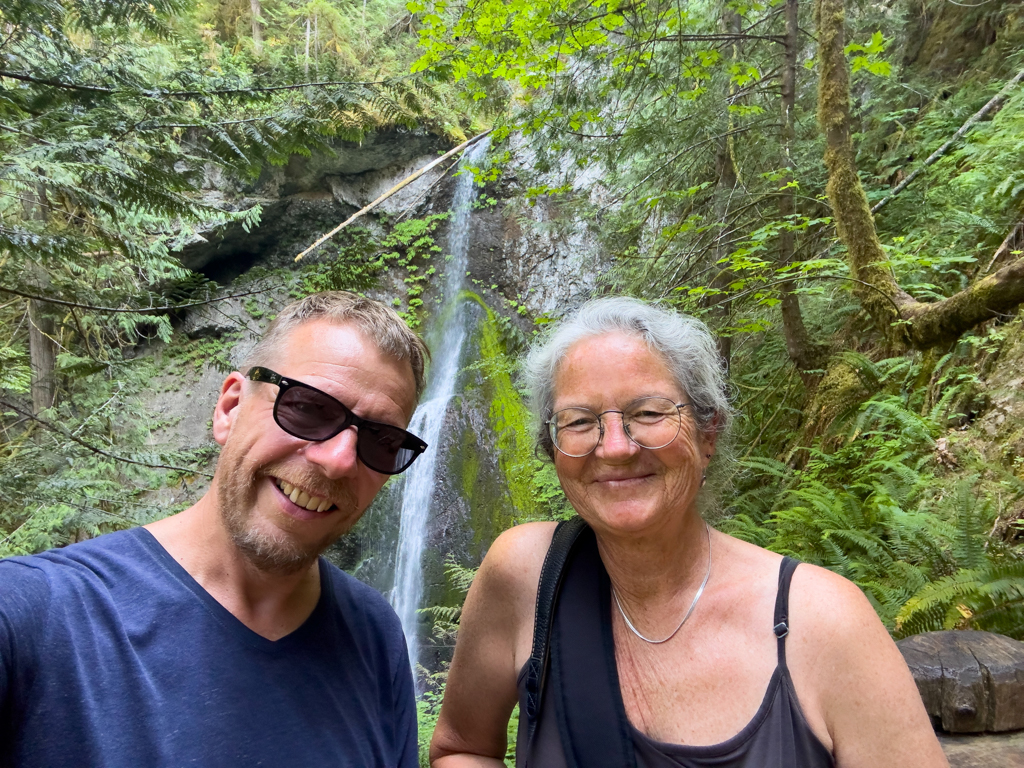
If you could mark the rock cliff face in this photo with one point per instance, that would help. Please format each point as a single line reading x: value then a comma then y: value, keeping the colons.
x: 526, y: 256
x: 309, y: 196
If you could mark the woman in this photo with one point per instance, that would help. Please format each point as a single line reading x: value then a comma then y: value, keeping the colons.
x: 717, y: 654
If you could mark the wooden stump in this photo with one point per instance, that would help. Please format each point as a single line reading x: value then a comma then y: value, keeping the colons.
x: 970, y: 681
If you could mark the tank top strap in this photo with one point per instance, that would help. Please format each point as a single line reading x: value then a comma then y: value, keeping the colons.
x: 781, y: 628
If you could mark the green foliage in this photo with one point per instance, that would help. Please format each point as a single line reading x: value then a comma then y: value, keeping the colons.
x: 445, y: 627
x: 56, y: 490
x: 867, y: 57
x: 409, y: 246
x: 875, y: 508
x: 195, y: 354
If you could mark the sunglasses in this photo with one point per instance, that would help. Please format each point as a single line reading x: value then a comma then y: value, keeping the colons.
x: 309, y: 414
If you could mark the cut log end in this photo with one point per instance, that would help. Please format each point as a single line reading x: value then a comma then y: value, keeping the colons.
x: 970, y: 682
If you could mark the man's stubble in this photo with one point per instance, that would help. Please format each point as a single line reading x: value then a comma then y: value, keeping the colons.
x: 268, y: 548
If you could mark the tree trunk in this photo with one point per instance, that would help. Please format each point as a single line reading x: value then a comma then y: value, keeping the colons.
x: 257, y: 26
x: 42, y: 355
x: 802, y: 352
x: 728, y: 177
x: 904, y: 321
x: 42, y: 349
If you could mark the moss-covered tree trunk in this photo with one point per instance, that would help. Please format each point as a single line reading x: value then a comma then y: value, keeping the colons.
x: 903, y: 320
x: 801, y: 350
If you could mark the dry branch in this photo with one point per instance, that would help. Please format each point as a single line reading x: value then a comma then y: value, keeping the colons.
x: 400, y: 185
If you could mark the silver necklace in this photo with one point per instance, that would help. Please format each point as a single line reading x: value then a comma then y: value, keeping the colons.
x: 693, y: 605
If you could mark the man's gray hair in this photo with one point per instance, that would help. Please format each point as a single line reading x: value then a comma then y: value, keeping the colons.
x: 683, y: 342
x: 379, y: 322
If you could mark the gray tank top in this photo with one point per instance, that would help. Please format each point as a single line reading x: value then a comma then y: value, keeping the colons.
x: 778, y: 736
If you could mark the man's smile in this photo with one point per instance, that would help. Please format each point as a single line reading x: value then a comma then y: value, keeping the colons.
x: 302, y: 498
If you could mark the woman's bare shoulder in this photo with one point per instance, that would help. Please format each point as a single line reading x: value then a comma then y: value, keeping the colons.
x: 830, y: 603
x: 513, y: 561
x: 501, y: 602
x: 521, y: 544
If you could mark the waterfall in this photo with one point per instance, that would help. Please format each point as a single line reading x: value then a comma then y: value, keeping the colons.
x: 446, y: 341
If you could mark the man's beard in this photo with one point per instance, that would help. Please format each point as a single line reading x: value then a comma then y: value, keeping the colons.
x: 280, y: 553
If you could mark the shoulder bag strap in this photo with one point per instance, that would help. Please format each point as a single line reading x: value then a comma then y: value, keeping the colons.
x: 592, y: 722
x: 562, y: 542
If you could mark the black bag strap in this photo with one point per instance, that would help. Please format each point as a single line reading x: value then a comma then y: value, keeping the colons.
x: 781, y: 628
x: 584, y: 680
x: 566, y: 533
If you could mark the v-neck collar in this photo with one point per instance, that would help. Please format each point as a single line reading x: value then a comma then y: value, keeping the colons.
x: 228, y: 620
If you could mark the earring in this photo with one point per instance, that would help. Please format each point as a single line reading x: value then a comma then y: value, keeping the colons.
x: 703, y: 479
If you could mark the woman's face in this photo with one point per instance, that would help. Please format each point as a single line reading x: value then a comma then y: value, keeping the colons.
x: 621, y: 487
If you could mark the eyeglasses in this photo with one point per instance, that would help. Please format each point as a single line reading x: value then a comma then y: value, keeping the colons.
x: 309, y: 414
x: 650, y: 422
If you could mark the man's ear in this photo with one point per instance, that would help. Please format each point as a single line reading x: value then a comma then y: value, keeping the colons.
x: 227, y: 406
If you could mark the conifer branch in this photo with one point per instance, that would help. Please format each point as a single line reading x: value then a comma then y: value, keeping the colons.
x: 186, y: 94
x: 48, y: 425
x: 55, y: 83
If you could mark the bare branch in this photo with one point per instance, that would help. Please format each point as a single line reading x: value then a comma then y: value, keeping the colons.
x: 400, y: 185
x: 88, y: 446
x: 128, y: 310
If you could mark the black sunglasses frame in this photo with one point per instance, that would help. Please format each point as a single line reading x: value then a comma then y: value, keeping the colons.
x: 411, y: 442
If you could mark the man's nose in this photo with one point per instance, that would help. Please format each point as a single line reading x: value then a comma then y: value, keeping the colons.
x: 337, y: 457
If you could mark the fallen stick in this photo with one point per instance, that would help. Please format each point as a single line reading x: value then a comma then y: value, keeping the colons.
x: 403, y: 183
x: 995, y: 102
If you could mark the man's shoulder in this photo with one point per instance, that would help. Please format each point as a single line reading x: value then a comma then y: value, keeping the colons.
x: 77, y: 568
x: 76, y: 575
x: 103, y: 552
x: 360, y: 604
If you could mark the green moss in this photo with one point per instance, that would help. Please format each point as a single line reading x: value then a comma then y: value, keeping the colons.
x: 194, y: 354
x: 470, y: 471
x: 508, y: 415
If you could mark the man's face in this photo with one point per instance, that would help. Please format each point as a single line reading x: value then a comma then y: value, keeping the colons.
x: 260, y: 461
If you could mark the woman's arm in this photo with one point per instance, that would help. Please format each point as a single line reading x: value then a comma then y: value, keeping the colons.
x: 495, y: 634
x: 855, y: 677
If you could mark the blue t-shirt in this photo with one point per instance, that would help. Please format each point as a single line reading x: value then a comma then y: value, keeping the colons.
x: 112, y: 655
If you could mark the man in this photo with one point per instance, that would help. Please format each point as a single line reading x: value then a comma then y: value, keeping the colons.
x: 218, y: 636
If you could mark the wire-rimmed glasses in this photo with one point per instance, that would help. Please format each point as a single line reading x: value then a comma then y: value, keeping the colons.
x: 650, y: 422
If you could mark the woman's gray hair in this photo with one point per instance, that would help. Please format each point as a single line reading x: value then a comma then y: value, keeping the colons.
x: 683, y: 342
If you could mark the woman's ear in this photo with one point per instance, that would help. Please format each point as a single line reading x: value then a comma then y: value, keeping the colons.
x: 709, y: 439
x: 228, y: 403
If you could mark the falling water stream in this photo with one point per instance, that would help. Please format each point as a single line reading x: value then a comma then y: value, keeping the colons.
x: 446, y: 338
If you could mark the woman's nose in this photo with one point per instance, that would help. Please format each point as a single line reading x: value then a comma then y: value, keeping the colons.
x: 615, y: 441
